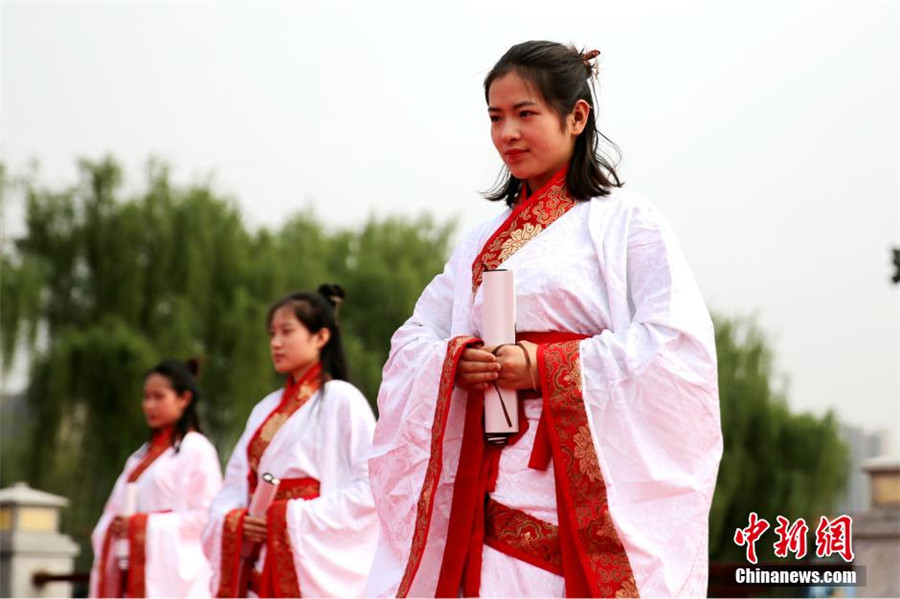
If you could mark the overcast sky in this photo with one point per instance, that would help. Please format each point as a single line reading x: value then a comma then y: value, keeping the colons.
x: 768, y: 134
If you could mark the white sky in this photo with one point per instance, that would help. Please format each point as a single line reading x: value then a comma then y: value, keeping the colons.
x: 768, y: 133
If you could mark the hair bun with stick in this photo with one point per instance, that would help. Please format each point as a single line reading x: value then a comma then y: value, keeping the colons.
x: 193, y: 365
x: 333, y: 293
x: 586, y: 58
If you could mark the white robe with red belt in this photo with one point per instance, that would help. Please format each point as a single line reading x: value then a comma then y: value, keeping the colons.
x: 332, y: 537
x: 176, y: 491
x: 609, y: 268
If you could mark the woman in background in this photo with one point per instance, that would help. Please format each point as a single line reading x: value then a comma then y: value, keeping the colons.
x: 318, y: 536
x: 170, y: 482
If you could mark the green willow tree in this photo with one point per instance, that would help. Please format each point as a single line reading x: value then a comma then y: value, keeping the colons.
x: 99, y: 288
x: 774, y: 463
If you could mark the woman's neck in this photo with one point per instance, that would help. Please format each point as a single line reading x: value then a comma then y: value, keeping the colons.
x: 539, y: 184
x: 300, y: 373
x: 163, y: 435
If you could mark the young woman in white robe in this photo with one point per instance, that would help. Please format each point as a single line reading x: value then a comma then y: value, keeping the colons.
x: 606, y: 490
x: 172, y: 480
x: 318, y: 537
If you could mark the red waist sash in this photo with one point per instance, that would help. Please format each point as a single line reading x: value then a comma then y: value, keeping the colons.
x: 131, y: 582
x: 541, y: 452
x: 297, y: 488
x: 476, y: 477
x: 278, y: 577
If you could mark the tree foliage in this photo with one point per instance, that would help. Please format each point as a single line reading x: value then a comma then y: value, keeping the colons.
x: 774, y: 462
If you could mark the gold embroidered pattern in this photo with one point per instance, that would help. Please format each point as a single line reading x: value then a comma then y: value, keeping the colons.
x: 293, y: 399
x: 518, y: 239
x: 433, y: 470
x: 585, y: 455
x: 629, y: 589
x: 585, y: 489
x: 160, y: 444
x: 304, y: 488
x: 137, y: 557
x: 271, y: 427
x: 282, y: 570
x: 230, y: 560
x: 527, y: 220
x: 522, y: 536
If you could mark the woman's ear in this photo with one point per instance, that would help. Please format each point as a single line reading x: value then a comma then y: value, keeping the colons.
x: 185, y: 399
x: 578, y: 118
x: 322, y: 337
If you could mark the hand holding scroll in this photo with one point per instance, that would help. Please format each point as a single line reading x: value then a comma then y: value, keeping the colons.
x: 517, y: 370
x: 478, y: 369
x: 255, y: 529
x: 119, y: 527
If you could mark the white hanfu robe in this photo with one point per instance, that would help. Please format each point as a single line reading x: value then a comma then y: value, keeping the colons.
x: 332, y: 537
x: 174, y: 492
x: 609, y: 268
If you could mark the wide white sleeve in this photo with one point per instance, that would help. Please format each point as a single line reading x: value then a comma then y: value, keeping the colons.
x: 406, y: 406
x: 651, y: 391
x: 418, y: 347
x: 233, y: 495
x: 175, y: 562
x: 112, y: 509
x: 333, y: 537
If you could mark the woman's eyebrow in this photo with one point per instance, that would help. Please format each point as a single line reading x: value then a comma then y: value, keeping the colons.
x: 516, y: 106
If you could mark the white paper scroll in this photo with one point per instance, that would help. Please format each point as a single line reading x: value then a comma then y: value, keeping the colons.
x: 259, y: 504
x: 129, y: 510
x: 264, y: 495
x: 501, y: 409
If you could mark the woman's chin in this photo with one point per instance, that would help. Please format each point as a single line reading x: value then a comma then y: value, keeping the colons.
x: 522, y: 174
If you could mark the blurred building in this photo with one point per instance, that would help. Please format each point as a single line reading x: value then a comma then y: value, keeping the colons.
x: 863, y: 446
x: 876, y: 531
x: 36, y: 560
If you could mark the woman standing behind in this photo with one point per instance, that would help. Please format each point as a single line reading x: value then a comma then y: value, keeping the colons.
x: 169, y: 483
x: 319, y: 535
x: 605, y: 491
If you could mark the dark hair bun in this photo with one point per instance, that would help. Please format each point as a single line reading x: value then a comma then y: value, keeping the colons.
x: 333, y: 293
x: 193, y: 365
